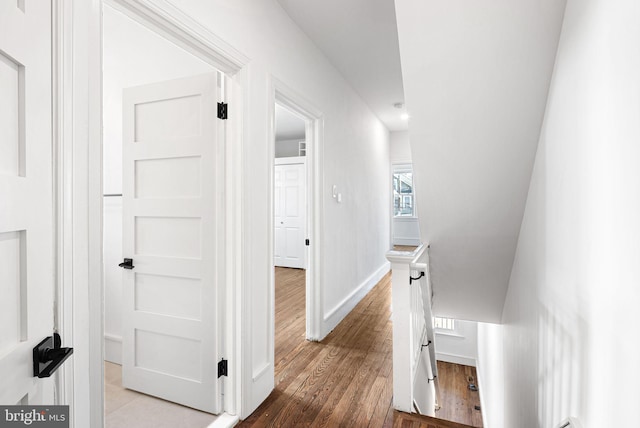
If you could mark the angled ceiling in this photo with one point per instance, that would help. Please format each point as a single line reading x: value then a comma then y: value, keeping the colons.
x: 476, y: 76
x: 360, y: 38
x: 288, y: 125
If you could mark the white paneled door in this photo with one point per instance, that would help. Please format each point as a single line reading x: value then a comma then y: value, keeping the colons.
x: 26, y: 202
x: 290, y: 214
x: 173, y: 232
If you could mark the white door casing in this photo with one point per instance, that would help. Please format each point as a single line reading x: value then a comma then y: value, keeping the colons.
x: 26, y: 201
x: 290, y: 213
x: 173, y: 173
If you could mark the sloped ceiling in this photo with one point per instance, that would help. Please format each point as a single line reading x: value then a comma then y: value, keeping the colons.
x: 288, y: 125
x: 476, y: 76
x: 360, y: 38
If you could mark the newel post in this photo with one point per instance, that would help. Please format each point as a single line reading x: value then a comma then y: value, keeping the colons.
x: 401, y: 319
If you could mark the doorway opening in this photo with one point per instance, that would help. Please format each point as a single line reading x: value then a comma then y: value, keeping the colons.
x: 290, y: 107
x: 155, y: 209
x: 290, y: 230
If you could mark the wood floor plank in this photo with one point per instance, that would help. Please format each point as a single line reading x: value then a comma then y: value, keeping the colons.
x: 343, y: 381
x: 456, y: 400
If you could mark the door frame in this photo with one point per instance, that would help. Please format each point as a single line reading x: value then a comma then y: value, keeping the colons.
x: 77, y: 158
x: 285, y: 96
x: 77, y: 147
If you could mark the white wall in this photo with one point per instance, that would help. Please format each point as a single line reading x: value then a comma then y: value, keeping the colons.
x: 355, y: 234
x: 459, y: 347
x: 132, y: 56
x: 287, y: 148
x: 571, y: 313
x: 399, y: 148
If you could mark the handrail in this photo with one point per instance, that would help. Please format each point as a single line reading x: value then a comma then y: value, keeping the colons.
x: 400, y: 256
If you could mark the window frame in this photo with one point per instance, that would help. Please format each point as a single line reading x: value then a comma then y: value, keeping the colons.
x: 400, y: 169
x: 447, y: 331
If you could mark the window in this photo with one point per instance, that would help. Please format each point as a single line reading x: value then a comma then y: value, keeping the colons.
x: 403, y: 205
x: 448, y: 324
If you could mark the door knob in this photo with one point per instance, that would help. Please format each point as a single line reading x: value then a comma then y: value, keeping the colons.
x: 127, y: 264
x: 48, y: 356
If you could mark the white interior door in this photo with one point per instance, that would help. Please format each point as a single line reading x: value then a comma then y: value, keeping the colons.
x: 172, y: 229
x: 290, y: 214
x: 26, y: 210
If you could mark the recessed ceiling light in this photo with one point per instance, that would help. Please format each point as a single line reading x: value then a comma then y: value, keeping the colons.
x: 404, y: 116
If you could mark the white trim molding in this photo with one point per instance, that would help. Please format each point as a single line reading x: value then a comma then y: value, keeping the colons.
x: 170, y: 22
x: 293, y: 160
x: 314, y: 126
x: 225, y: 420
x: 411, y: 242
x: 77, y: 101
x: 342, y: 309
x: 455, y: 359
x: 113, y: 348
x: 258, y: 379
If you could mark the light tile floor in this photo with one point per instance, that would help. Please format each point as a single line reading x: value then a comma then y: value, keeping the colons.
x: 129, y: 409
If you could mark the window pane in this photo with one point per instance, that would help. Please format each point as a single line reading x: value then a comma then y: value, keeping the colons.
x: 403, y: 194
x: 444, y: 323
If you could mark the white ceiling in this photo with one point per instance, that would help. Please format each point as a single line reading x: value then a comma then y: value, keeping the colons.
x: 360, y: 38
x: 288, y: 125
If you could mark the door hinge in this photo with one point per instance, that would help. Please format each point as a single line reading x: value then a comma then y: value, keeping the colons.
x: 306, y: 242
x: 222, y: 111
x: 222, y: 367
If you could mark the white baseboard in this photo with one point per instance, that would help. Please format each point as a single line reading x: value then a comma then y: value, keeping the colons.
x: 225, y: 420
x: 456, y: 359
x: 113, y: 348
x: 342, y: 309
x: 407, y: 241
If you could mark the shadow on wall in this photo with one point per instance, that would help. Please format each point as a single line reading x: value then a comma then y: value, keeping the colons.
x: 562, y: 364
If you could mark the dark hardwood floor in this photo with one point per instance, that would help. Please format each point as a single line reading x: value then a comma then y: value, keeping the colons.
x: 343, y: 381
x: 456, y: 401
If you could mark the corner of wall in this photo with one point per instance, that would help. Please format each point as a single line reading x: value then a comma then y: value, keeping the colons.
x: 490, y: 372
x: 342, y: 309
x: 113, y: 348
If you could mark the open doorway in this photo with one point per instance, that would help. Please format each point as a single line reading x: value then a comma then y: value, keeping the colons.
x: 168, y: 285
x: 290, y: 230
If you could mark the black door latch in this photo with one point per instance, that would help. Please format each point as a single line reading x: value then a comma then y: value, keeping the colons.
x: 48, y: 356
x: 127, y: 264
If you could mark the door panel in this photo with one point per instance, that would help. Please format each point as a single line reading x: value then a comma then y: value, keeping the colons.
x: 173, y: 164
x: 290, y: 215
x: 26, y: 204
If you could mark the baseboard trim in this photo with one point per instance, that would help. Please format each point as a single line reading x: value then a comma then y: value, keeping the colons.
x: 455, y: 359
x: 342, y: 309
x: 225, y: 420
x: 407, y: 241
x: 113, y: 348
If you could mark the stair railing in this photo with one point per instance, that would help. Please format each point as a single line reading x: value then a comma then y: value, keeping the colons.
x: 413, y: 340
